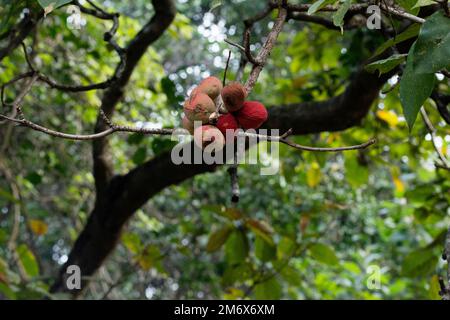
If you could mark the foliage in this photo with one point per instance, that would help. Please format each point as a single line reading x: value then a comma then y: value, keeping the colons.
x: 309, y: 232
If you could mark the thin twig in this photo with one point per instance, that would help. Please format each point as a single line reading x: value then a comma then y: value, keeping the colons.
x: 283, y: 139
x: 235, y: 45
x: 226, y: 69
x: 268, y: 45
x: 401, y: 14
x: 247, y: 50
x: 432, y: 132
x: 95, y: 136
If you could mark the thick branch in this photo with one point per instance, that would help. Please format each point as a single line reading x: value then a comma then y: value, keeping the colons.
x: 164, y: 14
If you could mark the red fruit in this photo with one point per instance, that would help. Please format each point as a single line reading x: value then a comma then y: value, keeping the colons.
x: 252, y: 115
x: 209, y: 135
x: 227, y: 122
x: 210, y: 86
x: 199, y: 107
x: 233, y: 96
x: 188, y: 125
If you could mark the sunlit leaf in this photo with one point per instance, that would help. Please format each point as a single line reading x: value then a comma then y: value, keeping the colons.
x: 388, y: 116
x: 132, y: 242
x: 150, y: 257
x: 313, y: 175
x: 285, y: 248
x: 408, y: 5
x: 38, y: 227
x: 28, y: 260
x: 435, y: 288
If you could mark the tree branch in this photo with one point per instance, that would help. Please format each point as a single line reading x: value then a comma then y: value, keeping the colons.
x: 164, y: 14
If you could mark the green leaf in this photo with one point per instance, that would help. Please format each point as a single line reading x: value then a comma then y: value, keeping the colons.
x: 215, y: 4
x: 351, y: 267
x: 386, y: 65
x: 8, y: 196
x: 414, y: 90
x: 323, y: 253
x: 291, y: 275
x: 218, y: 238
x: 432, y: 49
x: 150, y: 257
x: 7, y: 291
x: 409, y: 33
x: 236, y: 247
x: 268, y: 290
x: 419, y: 263
x: 435, y: 288
x: 229, y: 213
x: 408, y: 5
x: 355, y: 173
x: 140, y: 155
x: 236, y: 273
x: 338, y: 16
x: 313, y: 175
x: 132, y: 242
x: 316, y: 6
x: 50, y: 5
x: 423, y: 3
x: 28, y: 260
x: 285, y: 248
x: 263, y: 250
x: 260, y: 228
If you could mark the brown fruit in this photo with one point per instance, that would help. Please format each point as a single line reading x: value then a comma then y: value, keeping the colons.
x: 227, y: 122
x: 210, y: 86
x: 209, y: 135
x: 199, y: 107
x: 252, y: 115
x: 233, y: 96
x: 188, y: 125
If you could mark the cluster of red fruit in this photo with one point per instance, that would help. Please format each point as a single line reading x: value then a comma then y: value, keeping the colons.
x: 202, y: 106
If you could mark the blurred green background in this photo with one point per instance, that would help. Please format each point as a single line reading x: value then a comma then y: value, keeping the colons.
x: 309, y: 232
